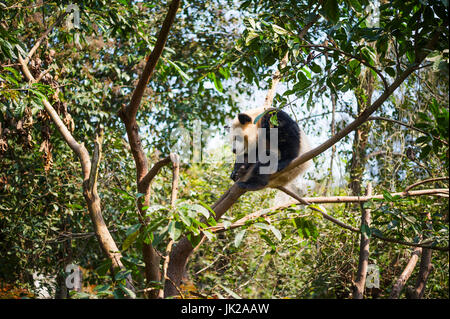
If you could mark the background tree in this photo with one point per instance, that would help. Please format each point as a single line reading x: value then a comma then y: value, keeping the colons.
x: 388, y: 77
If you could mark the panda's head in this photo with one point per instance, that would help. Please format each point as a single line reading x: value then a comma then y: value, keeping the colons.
x: 244, y: 131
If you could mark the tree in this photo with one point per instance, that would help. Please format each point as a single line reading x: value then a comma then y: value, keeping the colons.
x: 99, y: 81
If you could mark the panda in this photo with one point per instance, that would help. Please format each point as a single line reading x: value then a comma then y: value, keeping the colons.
x: 292, y: 142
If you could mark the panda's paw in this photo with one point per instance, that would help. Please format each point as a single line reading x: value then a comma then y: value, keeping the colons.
x: 250, y: 186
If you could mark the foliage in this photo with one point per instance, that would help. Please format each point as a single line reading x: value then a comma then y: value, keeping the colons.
x: 211, y: 65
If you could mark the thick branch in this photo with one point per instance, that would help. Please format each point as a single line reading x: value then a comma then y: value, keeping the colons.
x: 147, y: 179
x: 424, y: 271
x: 175, y: 177
x: 104, y: 237
x: 128, y: 116
x: 401, y: 281
x: 132, y: 108
x: 358, y: 288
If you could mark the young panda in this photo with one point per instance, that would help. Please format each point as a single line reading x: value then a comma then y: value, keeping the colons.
x: 291, y: 143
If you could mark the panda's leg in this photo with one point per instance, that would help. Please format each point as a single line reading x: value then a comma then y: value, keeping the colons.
x: 256, y: 181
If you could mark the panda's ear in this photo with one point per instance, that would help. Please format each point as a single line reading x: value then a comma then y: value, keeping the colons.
x: 244, y: 118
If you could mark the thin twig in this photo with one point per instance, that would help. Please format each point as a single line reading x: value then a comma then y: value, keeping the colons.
x: 407, y: 189
x: 361, y: 60
x: 380, y: 118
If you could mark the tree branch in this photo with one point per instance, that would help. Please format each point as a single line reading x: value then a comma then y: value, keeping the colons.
x: 401, y: 281
x: 43, y: 36
x: 175, y: 177
x: 107, y: 243
x: 334, y: 199
x: 131, y: 109
x: 358, y: 288
x: 361, y: 60
x: 363, y: 117
x: 96, y: 161
x: 407, y: 189
x: 128, y: 116
x: 147, y: 179
x: 380, y: 118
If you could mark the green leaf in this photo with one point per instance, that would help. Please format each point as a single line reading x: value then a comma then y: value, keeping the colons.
x: 104, y: 267
x: 390, y: 71
x: 103, y: 289
x: 425, y: 151
x: 259, y: 116
x: 356, y: 5
x: 209, y: 235
x: 184, y: 76
x: 218, y: 84
x: 239, y: 237
x: 365, y: 229
x: 123, y: 274
x: 315, y: 68
x: 133, y: 229
x: 250, y: 36
x: 230, y: 292
x: 130, y: 240
x: 331, y: 9
x: 186, y: 220
x: 387, y: 196
x: 128, y: 291
x: 175, y: 230
x: 276, y: 232
x: 274, y: 120
x: 201, y: 209
x: 268, y: 241
x: 279, y: 30
x: 262, y: 226
x: 213, y: 213
x: 423, y: 139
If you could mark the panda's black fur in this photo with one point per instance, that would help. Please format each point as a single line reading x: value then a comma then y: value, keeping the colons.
x: 289, y: 145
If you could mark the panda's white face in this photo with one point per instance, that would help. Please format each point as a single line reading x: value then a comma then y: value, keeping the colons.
x: 244, y: 132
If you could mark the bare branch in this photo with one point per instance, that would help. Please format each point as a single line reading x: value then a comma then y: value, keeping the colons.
x: 361, y: 60
x: 407, y: 189
x: 131, y: 109
x: 175, y: 178
x: 43, y: 36
x: 96, y: 160
x: 147, y: 179
x: 380, y: 118
x: 335, y: 199
x: 358, y: 288
x: 401, y: 281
